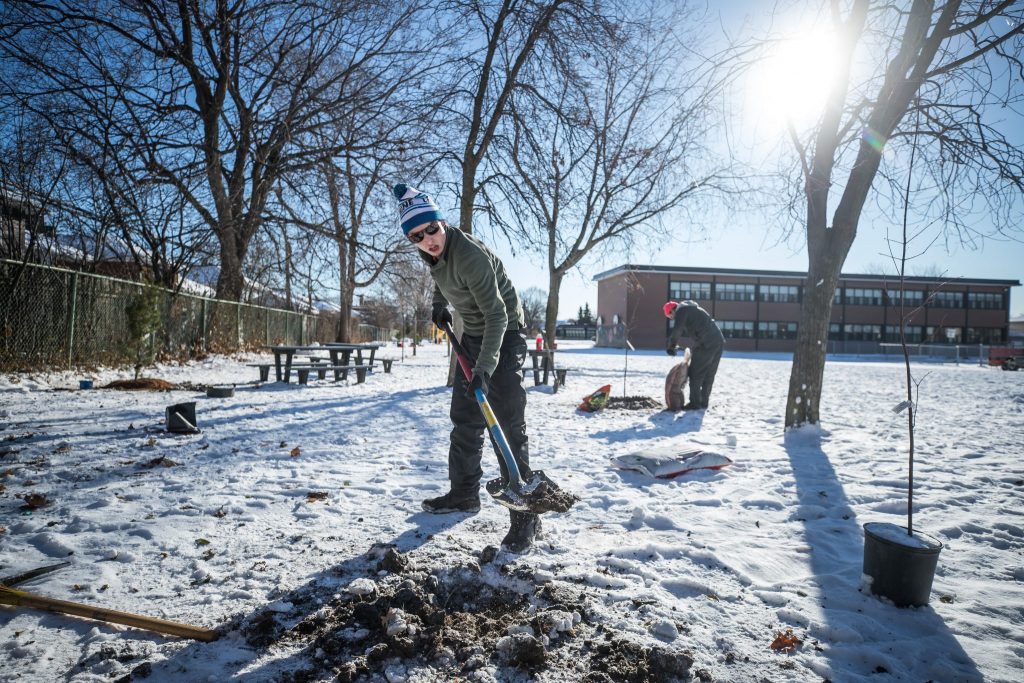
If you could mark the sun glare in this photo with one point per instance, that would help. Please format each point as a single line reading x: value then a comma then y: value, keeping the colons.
x: 794, y: 80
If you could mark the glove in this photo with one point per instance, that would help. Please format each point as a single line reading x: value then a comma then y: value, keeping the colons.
x: 671, y: 350
x: 479, y: 380
x: 441, y: 315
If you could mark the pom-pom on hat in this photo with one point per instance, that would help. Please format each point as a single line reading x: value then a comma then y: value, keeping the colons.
x: 670, y: 308
x: 415, y: 208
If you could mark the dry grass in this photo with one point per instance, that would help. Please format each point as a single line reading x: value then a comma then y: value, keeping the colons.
x: 141, y: 384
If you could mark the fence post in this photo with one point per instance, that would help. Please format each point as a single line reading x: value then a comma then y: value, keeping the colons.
x: 203, y: 313
x: 268, y: 329
x: 238, y: 326
x: 71, y: 316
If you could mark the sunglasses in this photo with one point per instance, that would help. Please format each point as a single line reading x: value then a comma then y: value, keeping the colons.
x: 417, y: 237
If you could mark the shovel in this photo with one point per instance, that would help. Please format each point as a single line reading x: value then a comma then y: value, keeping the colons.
x: 536, y: 494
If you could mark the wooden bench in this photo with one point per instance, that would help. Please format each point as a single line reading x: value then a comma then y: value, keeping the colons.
x: 560, y: 374
x: 322, y: 368
x: 264, y: 369
x: 386, y: 362
x: 341, y: 371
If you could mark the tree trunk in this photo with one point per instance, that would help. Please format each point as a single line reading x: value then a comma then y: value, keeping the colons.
x: 468, y: 196
x: 343, y: 333
x: 229, y: 280
x: 805, y: 378
x: 551, y: 311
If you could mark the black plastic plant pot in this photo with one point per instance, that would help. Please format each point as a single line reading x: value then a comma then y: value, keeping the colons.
x: 901, y: 567
x: 220, y: 392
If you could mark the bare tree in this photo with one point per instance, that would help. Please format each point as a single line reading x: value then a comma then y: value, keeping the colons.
x: 619, y: 137
x: 948, y: 62
x: 412, y: 288
x: 214, y: 99
x: 501, y: 39
x: 534, y: 301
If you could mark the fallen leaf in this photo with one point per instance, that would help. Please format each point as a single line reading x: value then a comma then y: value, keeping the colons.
x: 202, y: 542
x: 35, y: 500
x: 313, y: 496
x: 151, y: 441
x: 295, y: 452
x: 785, y: 642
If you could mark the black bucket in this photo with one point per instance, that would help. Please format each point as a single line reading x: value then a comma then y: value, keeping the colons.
x: 181, y: 418
x: 901, y: 567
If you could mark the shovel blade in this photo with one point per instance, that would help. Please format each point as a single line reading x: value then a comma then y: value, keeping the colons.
x: 537, y: 494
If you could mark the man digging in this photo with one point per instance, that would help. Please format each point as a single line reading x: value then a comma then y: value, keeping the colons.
x: 470, y: 278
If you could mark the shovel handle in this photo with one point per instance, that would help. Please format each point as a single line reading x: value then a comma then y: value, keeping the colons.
x: 514, y: 476
x: 19, y: 598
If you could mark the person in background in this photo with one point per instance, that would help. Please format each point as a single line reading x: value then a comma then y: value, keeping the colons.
x: 694, y: 322
x: 473, y: 281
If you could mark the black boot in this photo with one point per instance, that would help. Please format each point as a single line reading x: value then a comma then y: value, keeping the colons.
x: 526, y: 528
x: 453, y: 502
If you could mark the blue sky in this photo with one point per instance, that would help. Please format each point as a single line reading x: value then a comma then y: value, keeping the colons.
x: 751, y: 241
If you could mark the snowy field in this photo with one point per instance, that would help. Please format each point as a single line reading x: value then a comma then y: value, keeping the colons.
x: 275, y: 509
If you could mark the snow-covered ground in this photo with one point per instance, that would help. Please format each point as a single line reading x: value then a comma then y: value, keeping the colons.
x: 214, y: 528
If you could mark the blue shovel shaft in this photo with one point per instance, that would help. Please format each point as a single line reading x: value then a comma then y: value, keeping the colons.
x: 515, y: 478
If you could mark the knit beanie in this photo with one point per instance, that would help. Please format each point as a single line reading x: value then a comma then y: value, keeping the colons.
x: 415, y: 208
x: 670, y: 308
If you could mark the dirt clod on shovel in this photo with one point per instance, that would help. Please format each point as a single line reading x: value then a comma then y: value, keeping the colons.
x: 546, y: 497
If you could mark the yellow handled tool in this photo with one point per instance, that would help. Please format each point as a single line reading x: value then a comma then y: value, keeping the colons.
x: 19, y: 598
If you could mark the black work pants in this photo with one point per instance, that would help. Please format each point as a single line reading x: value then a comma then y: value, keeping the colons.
x: 703, y: 368
x: 508, y: 401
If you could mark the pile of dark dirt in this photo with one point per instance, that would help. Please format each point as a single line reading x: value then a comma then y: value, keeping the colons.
x: 141, y: 384
x: 633, y: 403
x: 445, y: 623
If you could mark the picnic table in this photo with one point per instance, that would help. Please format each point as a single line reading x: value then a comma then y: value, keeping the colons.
x: 339, y: 356
x: 543, y: 362
x: 544, y: 367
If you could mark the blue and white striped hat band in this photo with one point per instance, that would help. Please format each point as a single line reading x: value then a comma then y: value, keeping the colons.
x: 415, y: 208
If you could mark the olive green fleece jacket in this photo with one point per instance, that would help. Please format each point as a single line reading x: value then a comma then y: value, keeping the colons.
x: 470, y: 278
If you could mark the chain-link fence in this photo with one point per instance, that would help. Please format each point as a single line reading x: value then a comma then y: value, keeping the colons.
x: 56, y: 318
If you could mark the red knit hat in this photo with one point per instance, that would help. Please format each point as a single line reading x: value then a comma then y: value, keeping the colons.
x: 670, y: 308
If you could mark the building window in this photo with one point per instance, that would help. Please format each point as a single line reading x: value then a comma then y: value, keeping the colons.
x: 942, y: 335
x: 837, y: 298
x: 856, y: 296
x: 915, y: 334
x: 835, y: 331
x: 943, y: 299
x: 984, y: 335
x: 728, y: 291
x: 736, y: 329
x: 912, y: 298
x: 696, y: 291
x: 783, y: 294
x: 987, y: 300
x: 776, y: 330
x: 858, y: 332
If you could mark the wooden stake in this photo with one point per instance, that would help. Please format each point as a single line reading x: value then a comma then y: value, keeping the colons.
x: 19, y: 598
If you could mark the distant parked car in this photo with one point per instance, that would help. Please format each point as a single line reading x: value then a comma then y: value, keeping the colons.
x: 1006, y: 357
